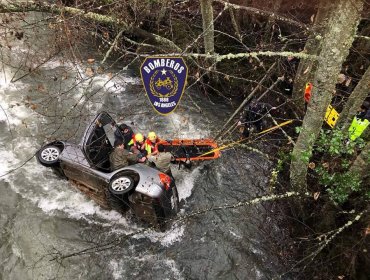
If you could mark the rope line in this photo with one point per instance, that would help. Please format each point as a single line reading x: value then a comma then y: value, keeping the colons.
x: 246, y: 138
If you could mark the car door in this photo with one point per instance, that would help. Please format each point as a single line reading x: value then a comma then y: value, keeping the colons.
x: 97, y: 145
x: 74, y: 163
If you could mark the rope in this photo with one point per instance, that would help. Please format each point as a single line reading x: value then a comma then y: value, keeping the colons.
x: 246, y: 138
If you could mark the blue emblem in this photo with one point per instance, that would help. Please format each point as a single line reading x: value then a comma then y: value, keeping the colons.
x: 164, y: 79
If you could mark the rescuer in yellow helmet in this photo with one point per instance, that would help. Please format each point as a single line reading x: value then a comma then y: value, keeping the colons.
x: 139, y: 138
x: 138, y: 146
x: 151, y: 143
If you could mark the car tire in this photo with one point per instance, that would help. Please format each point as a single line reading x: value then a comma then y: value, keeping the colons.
x: 121, y: 184
x: 175, y: 200
x: 116, y: 202
x: 48, y: 155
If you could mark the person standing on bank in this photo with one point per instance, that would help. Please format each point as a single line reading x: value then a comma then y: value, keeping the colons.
x: 252, y: 118
x: 162, y: 160
x: 364, y: 112
x: 120, y: 157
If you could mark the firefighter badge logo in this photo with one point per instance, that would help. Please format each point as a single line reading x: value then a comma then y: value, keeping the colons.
x: 164, y: 81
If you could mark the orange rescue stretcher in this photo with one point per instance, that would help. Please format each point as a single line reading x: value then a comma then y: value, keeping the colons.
x: 191, y: 149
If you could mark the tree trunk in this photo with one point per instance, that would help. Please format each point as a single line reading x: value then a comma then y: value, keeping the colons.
x: 335, y: 48
x: 306, y: 68
x: 354, y: 102
x: 361, y: 165
x: 208, y: 29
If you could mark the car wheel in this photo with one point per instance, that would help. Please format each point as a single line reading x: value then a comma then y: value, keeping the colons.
x: 48, y: 155
x: 121, y: 184
x: 116, y: 202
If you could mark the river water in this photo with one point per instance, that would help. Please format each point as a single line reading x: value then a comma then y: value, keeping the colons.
x: 42, y: 216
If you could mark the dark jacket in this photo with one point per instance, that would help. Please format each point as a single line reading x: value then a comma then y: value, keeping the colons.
x: 125, y: 137
x: 364, y: 115
x: 253, y: 117
x: 255, y: 112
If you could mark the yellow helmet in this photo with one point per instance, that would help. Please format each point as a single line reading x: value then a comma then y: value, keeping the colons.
x: 152, y: 136
x: 139, y: 137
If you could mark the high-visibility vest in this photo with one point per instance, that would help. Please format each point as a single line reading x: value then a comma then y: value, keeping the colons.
x: 357, y: 128
x: 150, y: 147
x: 307, y: 92
x: 132, y: 141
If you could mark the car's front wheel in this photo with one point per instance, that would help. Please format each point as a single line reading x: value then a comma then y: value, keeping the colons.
x: 121, y: 184
x: 48, y: 155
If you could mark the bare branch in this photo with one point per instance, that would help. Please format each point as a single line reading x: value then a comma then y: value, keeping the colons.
x: 264, y: 13
x: 219, y: 58
x: 246, y: 100
x: 362, y: 37
x: 334, y: 234
x: 112, y: 46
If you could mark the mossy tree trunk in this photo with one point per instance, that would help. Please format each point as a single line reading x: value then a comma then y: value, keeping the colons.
x: 306, y: 68
x: 208, y: 28
x: 355, y: 100
x: 361, y: 166
x: 337, y: 40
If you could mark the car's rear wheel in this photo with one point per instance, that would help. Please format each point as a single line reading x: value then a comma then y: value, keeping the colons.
x: 121, y: 184
x: 175, y: 200
x: 48, y: 155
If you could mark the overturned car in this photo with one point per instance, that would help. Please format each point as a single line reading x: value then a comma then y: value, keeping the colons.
x: 150, y: 194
